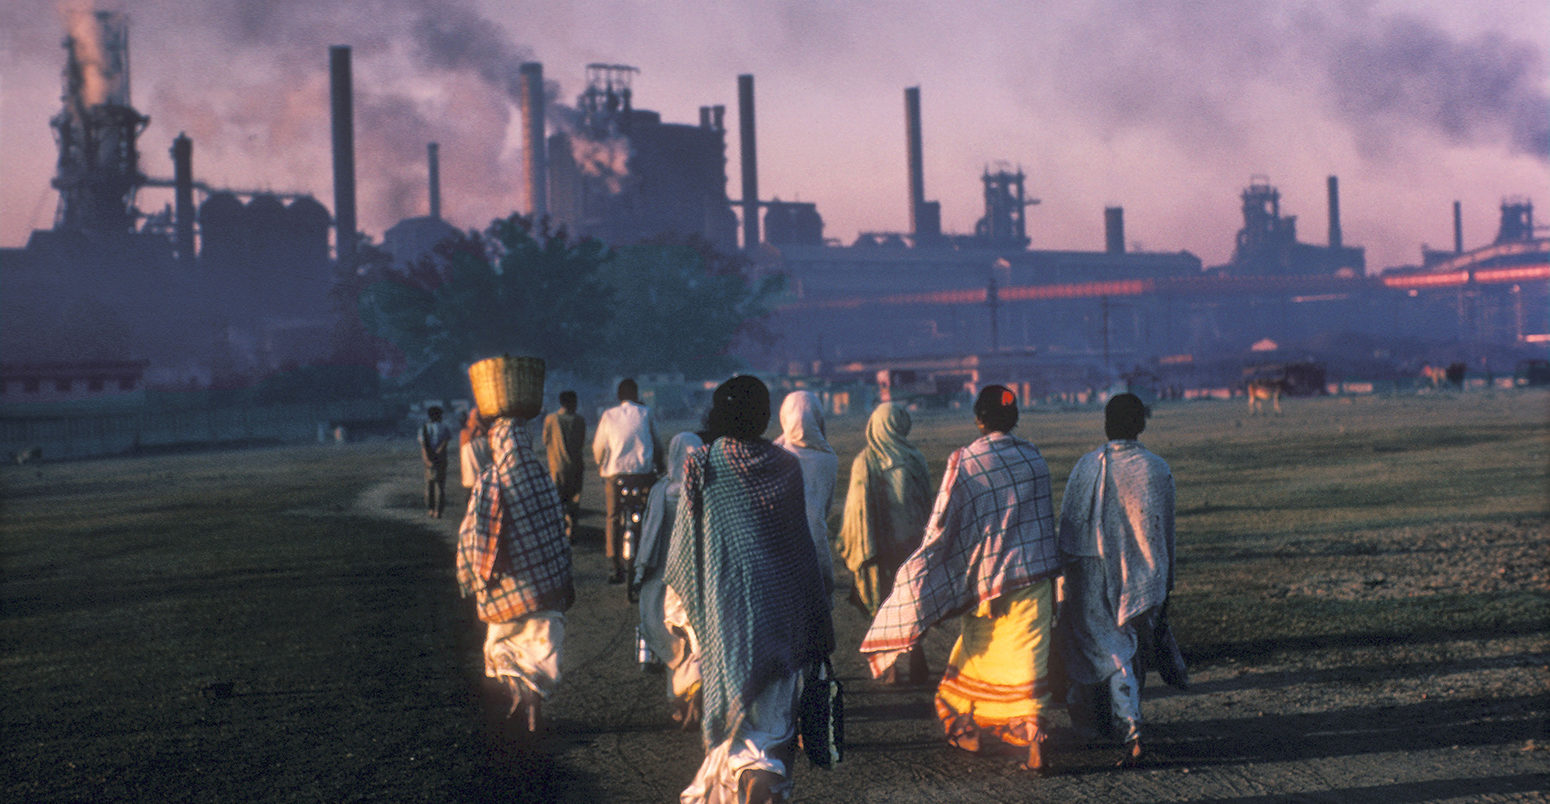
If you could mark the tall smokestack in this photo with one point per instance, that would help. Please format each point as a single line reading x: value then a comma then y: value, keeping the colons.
x: 750, y: 161
x: 916, y: 160
x: 183, y: 195
x: 433, y: 157
x: 344, y: 152
x: 533, y: 142
x: 1114, y: 230
x: 1458, y: 228
x: 1334, y: 212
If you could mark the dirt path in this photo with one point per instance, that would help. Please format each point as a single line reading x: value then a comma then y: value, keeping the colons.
x: 1370, y: 717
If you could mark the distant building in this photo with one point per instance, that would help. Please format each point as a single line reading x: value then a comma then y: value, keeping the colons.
x: 623, y: 176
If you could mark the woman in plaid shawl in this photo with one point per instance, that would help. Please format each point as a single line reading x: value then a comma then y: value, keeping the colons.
x: 743, y: 563
x: 988, y: 558
x: 514, y: 560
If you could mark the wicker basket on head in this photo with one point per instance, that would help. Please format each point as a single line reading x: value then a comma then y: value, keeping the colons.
x: 508, y: 386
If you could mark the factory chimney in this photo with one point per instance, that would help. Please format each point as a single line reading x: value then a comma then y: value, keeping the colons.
x: 1334, y: 212
x: 916, y: 160
x: 533, y: 140
x: 344, y: 153
x: 1114, y: 230
x: 183, y: 195
x: 433, y: 155
x: 1458, y: 228
x: 750, y: 155
x: 925, y: 216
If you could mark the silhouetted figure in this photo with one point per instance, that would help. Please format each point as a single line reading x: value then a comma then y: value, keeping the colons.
x: 434, y: 437
x: 565, y: 438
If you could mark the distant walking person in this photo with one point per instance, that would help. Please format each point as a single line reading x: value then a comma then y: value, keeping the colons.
x: 513, y: 559
x: 886, y: 508
x: 473, y: 449
x: 433, y: 439
x: 565, y: 437
x: 801, y: 424
x: 626, y: 454
x: 989, y: 555
x: 664, y: 622
x: 743, y: 564
x: 1116, y: 542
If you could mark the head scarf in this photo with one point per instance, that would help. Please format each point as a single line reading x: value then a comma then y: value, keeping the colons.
x: 801, y: 422
x: 886, y: 430
x: 887, y: 503
x: 661, y: 504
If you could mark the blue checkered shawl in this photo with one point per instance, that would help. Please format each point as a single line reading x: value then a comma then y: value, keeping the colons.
x: 742, y: 561
x: 991, y: 532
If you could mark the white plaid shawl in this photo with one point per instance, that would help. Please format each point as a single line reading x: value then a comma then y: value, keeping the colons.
x: 741, y: 559
x: 991, y: 531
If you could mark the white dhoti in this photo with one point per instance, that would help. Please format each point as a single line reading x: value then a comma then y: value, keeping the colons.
x: 761, y: 742
x: 527, y: 649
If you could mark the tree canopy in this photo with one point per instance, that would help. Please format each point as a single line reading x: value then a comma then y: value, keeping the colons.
x: 672, y: 304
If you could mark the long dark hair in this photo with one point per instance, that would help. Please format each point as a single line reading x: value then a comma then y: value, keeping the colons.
x: 739, y: 408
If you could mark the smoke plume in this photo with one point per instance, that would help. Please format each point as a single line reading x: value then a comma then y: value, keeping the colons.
x: 1404, y: 71
x: 88, y: 62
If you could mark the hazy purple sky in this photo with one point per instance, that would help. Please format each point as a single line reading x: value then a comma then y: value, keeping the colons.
x: 1165, y: 108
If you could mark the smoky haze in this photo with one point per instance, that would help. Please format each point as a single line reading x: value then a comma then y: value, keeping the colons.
x: 1165, y: 108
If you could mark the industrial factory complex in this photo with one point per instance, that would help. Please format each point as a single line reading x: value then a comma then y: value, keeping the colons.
x: 255, y: 280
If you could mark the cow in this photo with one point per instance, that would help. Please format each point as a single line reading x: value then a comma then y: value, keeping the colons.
x: 1264, y: 390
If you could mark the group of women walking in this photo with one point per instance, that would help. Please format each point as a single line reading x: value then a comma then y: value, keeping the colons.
x: 736, y: 579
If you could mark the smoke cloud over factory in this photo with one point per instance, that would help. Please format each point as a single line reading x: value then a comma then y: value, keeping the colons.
x: 1105, y: 103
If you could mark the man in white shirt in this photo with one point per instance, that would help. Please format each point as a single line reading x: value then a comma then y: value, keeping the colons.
x: 625, y: 448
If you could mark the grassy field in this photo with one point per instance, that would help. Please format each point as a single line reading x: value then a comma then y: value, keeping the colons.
x: 233, y: 627
x: 136, y: 590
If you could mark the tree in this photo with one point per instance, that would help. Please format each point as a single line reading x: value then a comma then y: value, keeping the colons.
x: 512, y: 289
x: 681, y: 305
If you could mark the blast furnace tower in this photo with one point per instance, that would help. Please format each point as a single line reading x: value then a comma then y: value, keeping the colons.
x: 99, y: 165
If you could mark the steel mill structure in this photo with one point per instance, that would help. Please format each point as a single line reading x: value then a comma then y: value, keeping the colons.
x: 622, y: 175
x: 226, y: 285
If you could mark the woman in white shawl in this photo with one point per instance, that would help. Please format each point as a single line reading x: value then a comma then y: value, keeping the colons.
x: 1116, y: 544
x: 801, y: 424
x: 663, y: 622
